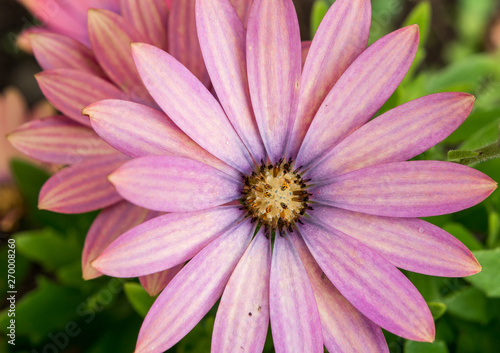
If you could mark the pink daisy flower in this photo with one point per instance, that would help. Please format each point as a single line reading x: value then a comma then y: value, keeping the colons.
x: 76, y: 76
x: 329, y: 190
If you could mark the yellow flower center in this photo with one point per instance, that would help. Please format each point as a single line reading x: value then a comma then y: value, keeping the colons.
x: 275, y: 196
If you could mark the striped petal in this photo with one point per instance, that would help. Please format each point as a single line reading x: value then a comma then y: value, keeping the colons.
x: 407, y: 189
x: 183, y: 41
x: 345, y: 329
x: 360, y: 92
x: 172, y: 239
x: 408, y: 243
x: 82, y: 6
x: 59, y: 140
x: 374, y: 286
x: 55, y: 51
x: 190, y: 105
x: 149, y: 17
x: 23, y: 41
x: 223, y: 46
x: 108, y: 225
x: 398, y: 135
x: 82, y: 187
x: 274, y: 64
x: 193, y: 291
x: 243, y: 9
x: 156, y: 282
x: 58, y: 18
x: 340, y: 38
x: 138, y: 130
x: 174, y: 184
x: 295, y: 321
x: 111, y: 35
x: 70, y: 91
x: 243, y: 316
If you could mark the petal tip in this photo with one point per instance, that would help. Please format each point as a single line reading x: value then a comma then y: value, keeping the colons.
x: 89, y: 273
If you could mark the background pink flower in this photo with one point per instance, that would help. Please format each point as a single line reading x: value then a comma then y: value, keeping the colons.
x: 76, y: 76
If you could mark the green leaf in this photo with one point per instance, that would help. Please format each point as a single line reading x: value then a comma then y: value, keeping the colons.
x: 138, y: 298
x: 48, y: 248
x: 425, y: 347
x: 469, y: 304
x: 420, y: 15
x: 464, y: 235
x: 318, y: 11
x: 29, y: 179
x: 71, y: 275
x: 45, y: 309
x: 482, y: 137
x: 493, y: 228
x: 437, y: 309
x: 463, y: 75
x: 488, y: 279
x: 477, y: 120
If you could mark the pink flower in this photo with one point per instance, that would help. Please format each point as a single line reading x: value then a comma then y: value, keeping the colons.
x: 342, y: 212
x: 13, y: 113
x: 76, y: 76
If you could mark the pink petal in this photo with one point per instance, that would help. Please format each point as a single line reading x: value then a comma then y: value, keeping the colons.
x: 243, y: 9
x: 345, y: 329
x: 374, y: 286
x: 274, y: 64
x: 59, y: 140
x: 408, y: 243
x: 243, y: 316
x: 407, y: 189
x: 58, y: 18
x: 172, y: 239
x: 340, y: 38
x: 183, y: 39
x: 55, y: 51
x: 156, y: 282
x: 305, y: 46
x: 138, y: 130
x: 111, y: 35
x: 82, y: 6
x: 360, y: 92
x: 82, y: 187
x: 70, y: 91
x: 174, y: 184
x: 109, y: 224
x: 399, y: 134
x: 149, y: 17
x: 23, y: 41
x: 193, y: 291
x: 295, y: 321
x: 190, y: 105
x: 223, y: 47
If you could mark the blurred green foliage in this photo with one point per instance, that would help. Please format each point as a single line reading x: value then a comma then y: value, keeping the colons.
x: 57, y: 308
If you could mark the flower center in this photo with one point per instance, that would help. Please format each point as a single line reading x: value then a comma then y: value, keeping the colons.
x: 275, y: 196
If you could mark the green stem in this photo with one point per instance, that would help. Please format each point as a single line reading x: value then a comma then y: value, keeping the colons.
x: 482, y: 154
